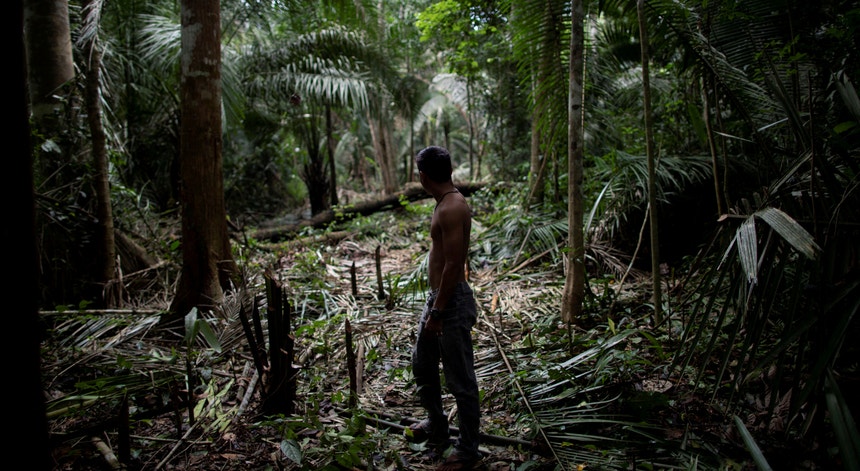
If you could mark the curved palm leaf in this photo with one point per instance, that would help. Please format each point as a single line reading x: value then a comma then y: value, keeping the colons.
x: 333, y: 66
x: 540, y: 46
x: 626, y: 183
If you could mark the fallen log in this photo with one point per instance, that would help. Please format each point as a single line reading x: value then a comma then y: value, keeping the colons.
x: 411, y: 192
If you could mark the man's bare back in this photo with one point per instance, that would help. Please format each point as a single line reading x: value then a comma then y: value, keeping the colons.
x: 449, y: 231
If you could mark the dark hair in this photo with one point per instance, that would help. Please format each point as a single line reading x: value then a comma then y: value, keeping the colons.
x: 435, y: 162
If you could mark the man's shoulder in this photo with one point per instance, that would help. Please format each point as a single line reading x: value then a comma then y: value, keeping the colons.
x: 454, y: 209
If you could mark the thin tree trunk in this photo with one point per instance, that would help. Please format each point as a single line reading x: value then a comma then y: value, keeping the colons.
x: 474, y: 171
x: 390, y: 167
x: 574, y: 286
x: 712, y: 147
x: 536, y: 164
x: 330, y: 144
x: 105, y: 243
x: 652, y: 184
x: 315, y: 172
x: 382, y: 146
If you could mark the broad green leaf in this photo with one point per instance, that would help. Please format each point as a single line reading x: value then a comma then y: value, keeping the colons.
x: 209, y: 335
x: 190, y: 325
x: 291, y: 449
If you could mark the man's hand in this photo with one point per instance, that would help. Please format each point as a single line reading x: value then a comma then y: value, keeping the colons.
x: 433, y: 327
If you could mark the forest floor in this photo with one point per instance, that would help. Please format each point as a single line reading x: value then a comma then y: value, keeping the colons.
x: 128, y: 350
x: 230, y: 432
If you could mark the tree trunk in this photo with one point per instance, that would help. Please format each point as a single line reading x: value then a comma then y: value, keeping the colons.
x: 652, y: 184
x: 207, y: 261
x: 49, y: 61
x: 314, y: 172
x: 280, y: 388
x: 536, y: 163
x: 105, y: 244
x: 712, y: 147
x: 537, y: 166
x: 474, y: 172
x: 50, y: 73
x: 574, y: 286
x: 19, y: 231
x: 382, y: 146
x: 332, y: 168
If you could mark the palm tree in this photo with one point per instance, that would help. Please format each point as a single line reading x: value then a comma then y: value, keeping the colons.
x: 538, y: 34
x: 303, y: 78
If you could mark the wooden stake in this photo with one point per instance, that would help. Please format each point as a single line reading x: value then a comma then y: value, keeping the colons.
x: 381, y: 289
x: 352, y: 279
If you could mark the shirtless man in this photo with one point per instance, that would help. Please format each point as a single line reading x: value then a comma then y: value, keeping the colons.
x: 444, y: 328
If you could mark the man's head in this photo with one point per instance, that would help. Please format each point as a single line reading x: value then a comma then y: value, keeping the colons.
x: 435, y: 163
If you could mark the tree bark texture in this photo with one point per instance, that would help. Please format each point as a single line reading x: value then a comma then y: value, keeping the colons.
x: 105, y: 244
x: 49, y: 53
x: 381, y: 136
x: 331, y: 143
x: 207, y: 261
x: 536, y: 167
x: 50, y: 68
x: 574, y: 286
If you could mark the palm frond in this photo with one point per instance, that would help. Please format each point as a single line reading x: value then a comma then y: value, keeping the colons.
x: 626, y: 186
x: 334, y: 66
x: 540, y: 48
x: 515, y: 235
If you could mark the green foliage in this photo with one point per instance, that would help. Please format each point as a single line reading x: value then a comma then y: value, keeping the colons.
x: 512, y: 235
x: 582, y: 401
x: 195, y: 326
x: 102, y: 383
x: 260, y: 177
x: 308, y: 267
x: 844, y: 426
x: 464, y: 30
x: 402, y: 287
x: 749, y: 441
x: 350, y: 445
x: 770, y: 294
x: 625, y: 186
